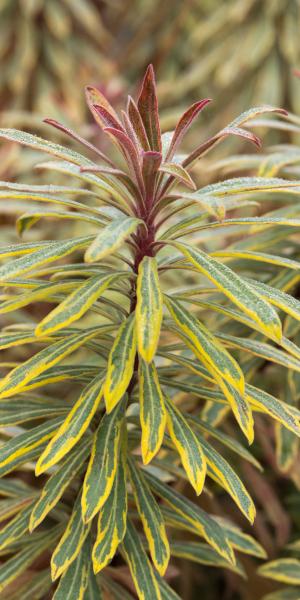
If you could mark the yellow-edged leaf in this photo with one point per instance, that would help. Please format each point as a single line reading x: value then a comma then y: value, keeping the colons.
x: 236, y: 289
x: 120, y: 364
x: 188, y: 447
x: 102, y: 468
x: 112, y: 518
x: 75, y: 305
x: 73, y: 427
x: 17, y: 379
x: 149, y: 308
x: 152, y: 411
x: 111, y: 238
x: 152, y: 519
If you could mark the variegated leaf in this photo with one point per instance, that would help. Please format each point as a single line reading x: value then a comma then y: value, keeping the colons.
x: 120, y: 363
x: 152, y: 411
x: 111, y: 238
x: 152, y: 519
x: 74, y: 426
x: 149, y: 308
x: 141, y: 571
x: 112, y: 518
x: 102, y: 468
x: 70, y: 545
x: 188, y: 446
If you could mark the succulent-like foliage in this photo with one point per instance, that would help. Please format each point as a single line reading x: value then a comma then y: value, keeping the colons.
x: 108, y: 399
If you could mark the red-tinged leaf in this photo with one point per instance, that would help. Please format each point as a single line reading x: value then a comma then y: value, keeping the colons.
x: 75, y: 136
x: 130, y: 132
x: 178, y: 172
x: 151, y: 163
x: 107, y: 118
x: 233, y: 129
x: 130, y: 153
x: 137, y: 123
x: 184, y: 124
x: 94, y: 96
x: 148, y: 108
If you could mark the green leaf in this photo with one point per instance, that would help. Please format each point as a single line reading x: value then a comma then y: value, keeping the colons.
x: 236, y: 289
x: 149, y: 308
x: 18, y: 563
x: 74, y: 426
x: 202, y: 522
x: 111, y: 238
x: 17, y: 379
x: 74, y: 581
x: 217, y: 360
x: 274, y: 407
x: 286, y: 570
x: 176, y: 170
x: 37, y: 143
x: 202, y: 554
x: 120, y: 363
x: 75, y: 305
x: 188, y: 446
x: 71, y: 543
x: 102, y: 468
x: 152, y: 519
x: 112, y: 518
x: 16, y: 528
x: 229, y: 479
x: 58, y: 483
x: 152, y: 411
x: 285, y: 302
x: 141, y: 571
x: 50, y: 253
x: 25, y: 446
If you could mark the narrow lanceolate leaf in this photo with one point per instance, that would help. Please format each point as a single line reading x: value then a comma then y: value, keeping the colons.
x: 149, y: 308
x: 280, y: 411
x: 212, y: 353
x: 51, y: 252
x: 17, y: 379
x: 37, y: 143
x: 152, y: 411
x: 148, y: 109
x: 120, y: 363
x: 111, y: 238
x: 18, y: 563
x: 236, y: 289
x: 103, y: 463
x: 218, y: 361
x: 74, y: 581
x: 202, y: 554
x: 70, y: 544
x: 75, y: 305
x: 16, y: 528
x: 73, y: 427
x: 141, y: 571
x: 286, y: 570
x: 219, y: 467
x: 188, y: 446
x: 20, y: 448
x: 57, y: 484
x: 112, y: 518
x: 167, y: 593
x: 285, y: 302
x: 202, y: 522
x: 184, y: 124
x: 152, y: 519
x: 177, y: 171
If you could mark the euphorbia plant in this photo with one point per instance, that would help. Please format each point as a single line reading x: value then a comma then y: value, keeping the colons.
x: 106, y: 430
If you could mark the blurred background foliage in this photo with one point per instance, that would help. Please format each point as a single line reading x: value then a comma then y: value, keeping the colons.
x: 241, y: 53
